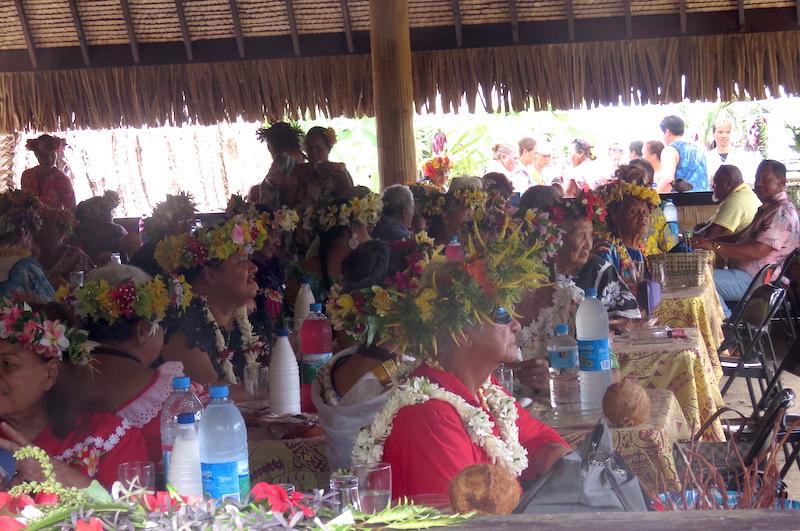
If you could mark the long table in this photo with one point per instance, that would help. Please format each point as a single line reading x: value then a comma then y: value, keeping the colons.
x: 301, y: 462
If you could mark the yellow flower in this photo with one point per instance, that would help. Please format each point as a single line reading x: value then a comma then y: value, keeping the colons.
x: 160, y: 298
x: 423, y: 302
x: 382, y: 300
x: 346, y: 302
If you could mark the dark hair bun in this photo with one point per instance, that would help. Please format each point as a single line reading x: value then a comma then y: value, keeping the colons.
x: 367, y: 265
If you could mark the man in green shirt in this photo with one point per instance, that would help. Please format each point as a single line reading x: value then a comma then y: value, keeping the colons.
x: 739, y: 204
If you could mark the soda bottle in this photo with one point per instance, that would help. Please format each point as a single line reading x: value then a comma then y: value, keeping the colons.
x: 223, y: 448
x: 316, y: 348
x: 182, y: 400
x: 595, y: 362
x: 284, y: 377
x: 565, y: 378
x: 454, y: 251
x: 184, y: 474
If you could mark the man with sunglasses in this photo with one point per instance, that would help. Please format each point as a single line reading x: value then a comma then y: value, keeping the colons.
x: 737, y: 208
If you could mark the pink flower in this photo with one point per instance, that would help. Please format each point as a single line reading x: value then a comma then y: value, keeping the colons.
x: 54, y: 335
x: 237, y: 234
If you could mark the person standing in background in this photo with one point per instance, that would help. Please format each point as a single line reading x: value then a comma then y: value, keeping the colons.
x: 45, y: 181
x: 681, y: 159
x: 652, y: 154
x: 635, y: 150
x: 522, y: 175
x: 724, y: 152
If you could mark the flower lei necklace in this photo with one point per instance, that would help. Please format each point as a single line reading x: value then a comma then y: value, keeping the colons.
x: 504, y: 451
x: 250, y: 343
x: 14, y: 250
x: 625, y: 260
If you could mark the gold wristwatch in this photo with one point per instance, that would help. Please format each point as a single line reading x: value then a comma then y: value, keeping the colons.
x: 717, y: 246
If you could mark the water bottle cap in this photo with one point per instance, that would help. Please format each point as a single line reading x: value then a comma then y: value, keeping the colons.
x: 283, y: 332
x: 305, y: 281
x: 591, y: 292
x: 185, y: 418
x: 218, y: 391
x: 181, y: 382
x: 562, y: 329
x: 316, y: 306
x: 453, y: 238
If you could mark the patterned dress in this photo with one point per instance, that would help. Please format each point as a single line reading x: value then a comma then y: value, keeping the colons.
x: 50, y: 185
x: 691, y: 166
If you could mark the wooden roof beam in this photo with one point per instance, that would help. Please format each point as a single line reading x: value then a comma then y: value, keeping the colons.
x: 570, y: 20
x: 126, y: 14
x: 682, y: 13
x: 512, y: 11
x: 348, y: 27
x: 293, y: 26
x: 741, y: 15
x: 628, y: 19
x: 237, y: 27
x: 460, y: 28
x: 187, y: 41
x: 26, y: 32
x: 76, y: 20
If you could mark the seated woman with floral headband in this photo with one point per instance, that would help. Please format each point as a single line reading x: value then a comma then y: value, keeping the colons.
x: 122, y: 308
x: 355, y: 383
x: 436, y: 171
x: 214, y: 338
x: 622, y: 242
x: 175, y: 215
x: 57, y: 257
x: 453, y: 212
x: 43, y: 373
x: 450, y: 413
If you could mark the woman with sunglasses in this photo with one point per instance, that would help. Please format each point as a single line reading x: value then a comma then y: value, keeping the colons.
x: 450, y: 413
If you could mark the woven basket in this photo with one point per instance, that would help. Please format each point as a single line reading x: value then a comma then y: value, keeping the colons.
x: 683, y: 269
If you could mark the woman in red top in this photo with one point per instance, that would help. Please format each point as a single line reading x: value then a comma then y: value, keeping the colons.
x: 41, y: 404
x: 450, y: 413
x: 45, y: 181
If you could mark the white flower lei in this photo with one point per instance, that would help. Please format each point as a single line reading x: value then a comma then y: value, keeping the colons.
x: 249, y: 340
x: 504, y: 451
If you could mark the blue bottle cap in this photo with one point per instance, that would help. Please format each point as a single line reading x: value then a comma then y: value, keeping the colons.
x: 591, y: 292
x: 218, y: 391
x: 181, y: 382
x: 453, y: 238
x: 305, y: 281
x: 562, y: 329
x: 283, y: 332
x: 316, y: 306
x: 185, y: 418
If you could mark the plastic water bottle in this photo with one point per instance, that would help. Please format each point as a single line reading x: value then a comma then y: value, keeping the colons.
x: 671, y: 216
x: 184, y: 474
x: 454, y: 251
x: 565, y: 377
x: 284, y: 377
x: 595, y: 362
x: 223, y: 448
x: 304, y: 300
x: 316, y: 348
x: 182, y: 400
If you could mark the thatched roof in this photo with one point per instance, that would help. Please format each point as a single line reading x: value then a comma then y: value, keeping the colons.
x: 107, y: 63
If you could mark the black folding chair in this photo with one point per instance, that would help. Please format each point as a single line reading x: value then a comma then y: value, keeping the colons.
x: 788, y: 312
x: 764, y: 276
x: 748, y: 334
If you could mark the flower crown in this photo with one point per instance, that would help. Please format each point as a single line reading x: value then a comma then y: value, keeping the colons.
x: 364, y: 208
x: 430, y: 166
x: 100, y: 301
x: 19, y: 209
x: 185, y: 251
x: 47, y: 338
x: 428, y: 199
x: 362, y: 313
x: 174, y: 209
x: 539, y: 230
x: 617, y: 191
x: 46, y: 144
x: 586, y: 206
x: 63, y: 219
x: 330, y: 134
x: 494, y: 276
x: 283, y: 219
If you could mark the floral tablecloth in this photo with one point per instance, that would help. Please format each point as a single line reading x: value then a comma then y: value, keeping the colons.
x: 301, y: 462
x: 682, y: 365
x: 647, y: 448
x: 695, y: 308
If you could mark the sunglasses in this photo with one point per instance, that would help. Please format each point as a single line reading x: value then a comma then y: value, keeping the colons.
x: 501, y: 316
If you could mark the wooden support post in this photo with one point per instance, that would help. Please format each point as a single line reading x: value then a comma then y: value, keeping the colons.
x: 393, y: 95
x: 76, y: 21
x: 26, y: 33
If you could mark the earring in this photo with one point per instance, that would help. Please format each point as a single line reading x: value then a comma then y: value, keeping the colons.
x: 218, y: 284
x: 353, y: 241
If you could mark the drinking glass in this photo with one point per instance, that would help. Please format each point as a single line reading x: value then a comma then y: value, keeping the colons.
x: 116, y: 258
x: 346, y: 488
x: 256, y: 382
x: 375, y: 486
x: 505, y: 377
x: 637, y: 271
x: 658, y: 274
x: 142, y: 473
x: 76, y: 279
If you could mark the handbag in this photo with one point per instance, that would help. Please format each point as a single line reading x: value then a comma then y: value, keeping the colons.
x: 594, y: 478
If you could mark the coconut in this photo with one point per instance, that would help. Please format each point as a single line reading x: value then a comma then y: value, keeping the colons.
x: 485, y: 488
x: 626, y: 403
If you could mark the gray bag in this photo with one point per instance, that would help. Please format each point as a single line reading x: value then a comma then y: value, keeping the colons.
x: 592, y: 479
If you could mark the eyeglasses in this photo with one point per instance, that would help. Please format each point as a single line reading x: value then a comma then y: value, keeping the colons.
x: 501, y: 316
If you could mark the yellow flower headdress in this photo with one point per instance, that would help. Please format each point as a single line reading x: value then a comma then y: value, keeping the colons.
x: 495, y: 276
x: 283, y: 219
x: 365, y: 208
x: 213, y: 243
x: 101, y: 301
x: 616, y: 191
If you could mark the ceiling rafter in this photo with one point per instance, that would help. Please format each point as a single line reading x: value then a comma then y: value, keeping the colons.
x: 628, y: 19
x: 570, y: 21
x: 348, y: 27
x: 459, y: 27
x: 512, y: 12
x: 797, y: 11
x: 187, y: 41
x: 293, y: 26
x: 237, y: 27
x: 76, y: 20
x: 26, y: 33
x: 126, y: 14
x: 682, y: 13
x: 740, y: 8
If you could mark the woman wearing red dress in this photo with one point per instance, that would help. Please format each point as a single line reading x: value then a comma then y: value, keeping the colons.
x: 45, y: 181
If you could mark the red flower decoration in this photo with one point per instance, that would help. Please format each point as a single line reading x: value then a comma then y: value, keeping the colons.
x: 92, y: 525
x: 279, y: 500
x: 479, y: 271
x: 46, y: 498
x: 9, y: 523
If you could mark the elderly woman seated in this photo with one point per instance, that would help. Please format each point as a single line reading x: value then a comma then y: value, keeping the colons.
x: 450, y: 413
x: 43, y: 373
x: 57, y: 257
x: 130, y: 338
